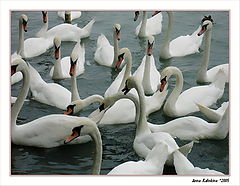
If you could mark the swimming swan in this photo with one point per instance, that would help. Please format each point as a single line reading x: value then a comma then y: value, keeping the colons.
x: 194, y: 128
x: 106, y: 54
x: 61, y: 67
x: 182, y: 45
x: 184, y: 167
x: 48, y: 131
x: 205, y: 75
x: 148, y: 27
x: 182, y: 103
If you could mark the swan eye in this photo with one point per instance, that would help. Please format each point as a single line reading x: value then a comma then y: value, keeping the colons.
x: 121, y: 56
x: 24, y: 22
x: 204, y: 27
x: 13, y: 69
x: 77, y: 129
x: 101, y: 107
x: 117, y: 30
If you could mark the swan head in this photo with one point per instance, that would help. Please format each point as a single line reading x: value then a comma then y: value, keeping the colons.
x: 156, y: 12
x: 71, y: 108
x: 150, y: 43
x: 68, y: 17
x: 165, y: 75
x: 24, y: 19
x: 18, y: 65
x: 117, y: 28
x: 207, y: 23
x: 76, y: 132
x: 57, y: 45
x: 136, y: 15
x: 73, y: 61
x: 122, y: 54
x: 129, y: 84
x: 44, y: 14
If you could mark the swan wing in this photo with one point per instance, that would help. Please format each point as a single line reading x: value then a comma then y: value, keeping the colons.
x: 154, y: 25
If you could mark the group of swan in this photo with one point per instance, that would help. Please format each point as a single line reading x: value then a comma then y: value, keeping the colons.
x: 116, y: 107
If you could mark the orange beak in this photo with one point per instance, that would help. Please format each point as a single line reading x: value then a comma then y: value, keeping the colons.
x: 201, y: 31
x: 44, y: 18
x: 72, y: 70
x: 72, y: 137
x: 57, y: 53
x: 25, y: 27
x: 118, y: 36
x: 69, y: 111
x: 162, y: 86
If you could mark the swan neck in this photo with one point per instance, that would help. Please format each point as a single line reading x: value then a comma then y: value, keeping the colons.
x: 142, y: 31
x: 92, y: 99
x: 202, y: 73
x: 21, y: 97
x: 115, y: 48
x: 127, y: 73
x: 169, y: 29
x: 142, y: 126
x: 146, y: 73
x: 57, y: 71
x: 74, y: 89
x: 171, y: 101
x: 20, y: 50
x: 96, y: 136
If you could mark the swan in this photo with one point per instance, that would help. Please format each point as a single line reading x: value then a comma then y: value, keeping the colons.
x: 48, y: 93
x: 147, y: 72
x: 44, y: 28
x: 106, y: 54
x: 31, y: 47
x: 69, y: 15
x: 213, y: 115
x: 182, y: 45
x: 123, y: 111
x: 181, y: 104
x: 184, y: 167
x: 205, y: 75
x: 61, y: 67
x: 147, y: 27
x: 48, y: 131
x: 194, y: 128
x: 153, y: 164
x: 144, y: 140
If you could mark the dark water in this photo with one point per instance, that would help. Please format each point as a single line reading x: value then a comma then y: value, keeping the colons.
x: 118, y: 139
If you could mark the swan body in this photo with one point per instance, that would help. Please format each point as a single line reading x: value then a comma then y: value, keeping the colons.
x: 106, y: 54
x: 73, y: 14
x: 204, y: 75
x: 48, y: 93
x: 147, y: 72
x: 180, y: 104
x: 48, y: 131
x: 61, y: 67
x: 194, y: 128
x: 144, y: 140
x: 31, y: 47
x: 153, y: 164
x: 213, y: 115
x: 184, y: 167
x: 123, y: 111
x: 149, y: 27
x: 182, y: 45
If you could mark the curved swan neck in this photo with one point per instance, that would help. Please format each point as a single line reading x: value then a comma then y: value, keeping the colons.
x: 202, y: 73
x: 115, y: 48
x: 74, y: 89
x: 21, y: 97
x: 178, y: 88
x: 142, y: 31
x: 98, y: 151
x: 127, y: 73
x: 20, y: 49
x: 92, y: 99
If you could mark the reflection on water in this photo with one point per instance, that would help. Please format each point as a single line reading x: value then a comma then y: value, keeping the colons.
x: 117, y: 140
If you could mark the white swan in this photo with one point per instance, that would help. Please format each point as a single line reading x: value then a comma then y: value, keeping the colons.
x: 148, y: 27
x: 123, y: 111
x: 61, y: 67
x: 213, y: 115
x: 107, y: 54
x: 147, y: 72
x: 48, y: 93
x: 48, y: 131
x: 31, y: 47
x: 194, y: 128
x: 184, y: 167
x: 182, y: 45
x: 204, y: 75
x: 153, y: 164
x: 69, y: 15
x: 181, y: 104
x: 144, y: 140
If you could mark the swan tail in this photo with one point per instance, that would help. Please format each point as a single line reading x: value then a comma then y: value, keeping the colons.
x: 88, y: 28
x: 211, y: 114
x: 186, y: 149
x: 219, y: 80
x: 223, y: 125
